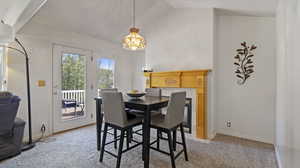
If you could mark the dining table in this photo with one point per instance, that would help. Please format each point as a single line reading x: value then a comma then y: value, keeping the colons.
x: 146, y: 104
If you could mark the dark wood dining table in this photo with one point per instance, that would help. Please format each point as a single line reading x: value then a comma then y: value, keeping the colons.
x: 146, y: 104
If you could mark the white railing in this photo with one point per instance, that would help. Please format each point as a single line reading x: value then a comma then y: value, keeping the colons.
x: 98, y: 92
x: 78, y: 95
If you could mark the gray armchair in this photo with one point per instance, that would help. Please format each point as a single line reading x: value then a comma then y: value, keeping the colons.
x: 11, y: 128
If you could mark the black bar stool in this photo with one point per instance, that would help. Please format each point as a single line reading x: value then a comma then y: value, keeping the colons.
x: 169, y: 123
x: 117, y: 118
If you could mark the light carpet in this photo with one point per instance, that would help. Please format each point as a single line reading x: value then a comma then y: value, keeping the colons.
x: 77, y: 149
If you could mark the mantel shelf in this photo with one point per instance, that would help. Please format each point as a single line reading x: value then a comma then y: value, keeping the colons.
x: 185, y: 79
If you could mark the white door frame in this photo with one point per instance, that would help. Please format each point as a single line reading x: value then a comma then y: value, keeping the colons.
x: 58, y: 124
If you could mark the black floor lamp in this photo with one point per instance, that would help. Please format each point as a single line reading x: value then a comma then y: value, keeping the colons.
x: 23, y: 51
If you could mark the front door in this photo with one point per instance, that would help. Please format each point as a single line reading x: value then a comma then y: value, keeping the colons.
x: 72, y: 88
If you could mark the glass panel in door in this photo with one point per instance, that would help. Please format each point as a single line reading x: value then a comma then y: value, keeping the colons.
x: 73, y: 69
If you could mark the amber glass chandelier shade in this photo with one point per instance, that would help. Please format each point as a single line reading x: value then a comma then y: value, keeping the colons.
x: 134, y: 41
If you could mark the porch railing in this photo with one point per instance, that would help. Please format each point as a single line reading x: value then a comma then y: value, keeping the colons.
x: 78, y: 95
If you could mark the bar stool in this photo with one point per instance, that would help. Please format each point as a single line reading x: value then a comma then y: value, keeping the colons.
x: 117, y: 118
x: 102, y: 118
x: 169, y: 123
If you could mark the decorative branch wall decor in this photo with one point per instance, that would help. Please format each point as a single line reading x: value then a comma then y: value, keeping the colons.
x: 244, y: 63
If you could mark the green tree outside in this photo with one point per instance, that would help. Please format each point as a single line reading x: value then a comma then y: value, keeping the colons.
x: 105, y: 78
x: 105, y: 74
x: 73, y: 72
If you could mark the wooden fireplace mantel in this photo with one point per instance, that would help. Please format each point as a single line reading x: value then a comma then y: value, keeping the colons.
x: 185, y: 79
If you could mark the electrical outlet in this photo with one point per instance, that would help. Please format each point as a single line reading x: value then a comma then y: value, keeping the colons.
x: 43, y: 128
x: 228, y: 124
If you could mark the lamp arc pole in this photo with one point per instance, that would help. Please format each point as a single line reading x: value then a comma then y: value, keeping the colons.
x: 30, y: 143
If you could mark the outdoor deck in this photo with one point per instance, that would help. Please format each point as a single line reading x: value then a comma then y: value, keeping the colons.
x: 75, y: 110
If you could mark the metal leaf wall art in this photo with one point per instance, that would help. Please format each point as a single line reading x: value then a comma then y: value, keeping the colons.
x: 244, y: 63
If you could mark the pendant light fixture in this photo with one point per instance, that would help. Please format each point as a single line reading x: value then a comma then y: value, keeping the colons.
x: 134, y: 41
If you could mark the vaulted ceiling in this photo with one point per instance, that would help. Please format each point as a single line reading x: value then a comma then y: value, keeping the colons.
x: 105, y: 19
x: 111, y: 19
x: 245, y: 7
x: 10, y: 10
x: 5, y: 6
x: 18, y: 12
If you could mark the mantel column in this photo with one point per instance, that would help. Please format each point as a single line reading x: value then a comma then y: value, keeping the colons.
x: 201, y: 117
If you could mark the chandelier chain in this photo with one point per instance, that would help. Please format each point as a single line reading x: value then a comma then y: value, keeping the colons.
x: 133, y: 13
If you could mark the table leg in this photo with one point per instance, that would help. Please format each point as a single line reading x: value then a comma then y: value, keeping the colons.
x: 143, y: 151
x: 146, y: 137
x: 174, y: 139
x: 99, y: 119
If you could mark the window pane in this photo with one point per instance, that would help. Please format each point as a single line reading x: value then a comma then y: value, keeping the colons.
x: 105, y: 73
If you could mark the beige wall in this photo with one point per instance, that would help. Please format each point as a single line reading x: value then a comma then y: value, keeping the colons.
x: 250, y: 107
x: 288, y: 82
x: 39, y: 41
x: 183, y: 39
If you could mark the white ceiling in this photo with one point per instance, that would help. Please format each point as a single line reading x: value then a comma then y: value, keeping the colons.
x: 18, y: 12
x: 7, y: 9
x: 244, y: 7
x: 5, y: 5
x: 111, y: 19
x: 105, y: 19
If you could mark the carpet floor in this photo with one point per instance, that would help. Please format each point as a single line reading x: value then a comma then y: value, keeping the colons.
x: 77, y: 149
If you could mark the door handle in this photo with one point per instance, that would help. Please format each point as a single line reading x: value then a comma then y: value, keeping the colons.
x: 55, y: 87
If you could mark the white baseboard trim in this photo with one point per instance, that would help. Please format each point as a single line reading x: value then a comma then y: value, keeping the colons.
x: 277, y: 155
x: 194, y: 138
x: 198, y: 140
x: 244, y: 136
x: 36, y: 137
x: 212, y: 135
